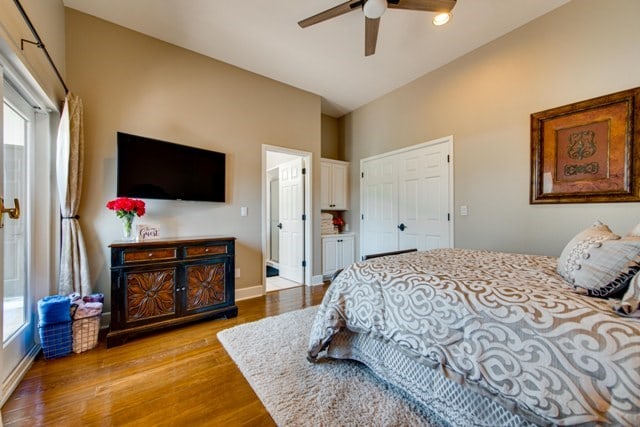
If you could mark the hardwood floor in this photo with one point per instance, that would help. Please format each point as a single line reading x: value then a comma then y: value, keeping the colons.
x: 180, y: 377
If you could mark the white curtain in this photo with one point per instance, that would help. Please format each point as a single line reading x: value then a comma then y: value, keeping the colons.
x: 74, y: 266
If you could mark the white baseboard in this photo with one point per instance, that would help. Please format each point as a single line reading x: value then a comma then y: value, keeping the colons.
x: 316, y: 280
x: 12, y: 381
x: 247, y: 293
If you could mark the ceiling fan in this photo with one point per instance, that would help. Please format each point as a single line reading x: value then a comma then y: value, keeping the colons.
x: 373, y: 10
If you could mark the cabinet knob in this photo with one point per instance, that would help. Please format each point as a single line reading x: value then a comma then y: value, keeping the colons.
x: 183, y: 289
x: 150, y: 254
x: 206, y: 250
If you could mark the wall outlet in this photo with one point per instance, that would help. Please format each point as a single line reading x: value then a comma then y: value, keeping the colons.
x: 237, y: 272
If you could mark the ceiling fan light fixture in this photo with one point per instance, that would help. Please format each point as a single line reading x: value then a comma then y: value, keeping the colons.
x: 441, y: 19
x: 374, y: 9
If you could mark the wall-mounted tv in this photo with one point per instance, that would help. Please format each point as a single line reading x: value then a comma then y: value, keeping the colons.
x: 152, y: 169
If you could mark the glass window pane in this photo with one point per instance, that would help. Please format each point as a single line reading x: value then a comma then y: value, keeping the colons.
x: 14, y: 229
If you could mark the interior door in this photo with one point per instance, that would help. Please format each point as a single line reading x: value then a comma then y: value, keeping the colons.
x: 17, y: 327
x: 274, y: 220
x: 406, y: 199
x: 423, y: 202
x: 291, y: 211
x: 379, y: 206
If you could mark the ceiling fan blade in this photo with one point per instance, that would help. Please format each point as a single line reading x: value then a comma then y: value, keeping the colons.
x: 370, y: 35
x: 443, y: 6
x: 338, y: 10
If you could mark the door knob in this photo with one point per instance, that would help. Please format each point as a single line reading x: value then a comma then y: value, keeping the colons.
x: 279, y: 225
x: 14, y: 212
x: 402, y: 227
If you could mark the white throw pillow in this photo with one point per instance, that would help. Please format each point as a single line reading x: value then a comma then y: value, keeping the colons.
x: 607, y: 267
x: 635, y: 232
x: 578, y: 247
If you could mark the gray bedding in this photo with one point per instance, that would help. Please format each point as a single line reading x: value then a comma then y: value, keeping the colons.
x: 505, y: 326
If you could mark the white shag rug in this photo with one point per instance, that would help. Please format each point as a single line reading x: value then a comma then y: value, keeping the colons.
x: 271, y: 354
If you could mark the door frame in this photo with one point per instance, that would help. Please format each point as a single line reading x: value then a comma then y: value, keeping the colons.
x: 268, y: 199
x: 448, y: 141
x: 308, y: 197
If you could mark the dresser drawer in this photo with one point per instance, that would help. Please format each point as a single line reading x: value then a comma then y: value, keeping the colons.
x: 198, y: 251
x: 155, y: 254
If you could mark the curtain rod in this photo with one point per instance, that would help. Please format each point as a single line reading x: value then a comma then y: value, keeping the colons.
x: 38, y: 43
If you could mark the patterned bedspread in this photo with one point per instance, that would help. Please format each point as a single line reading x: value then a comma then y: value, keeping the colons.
x: 506, y: 325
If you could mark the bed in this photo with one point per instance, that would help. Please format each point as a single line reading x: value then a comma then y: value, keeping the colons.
x: 486, y: 338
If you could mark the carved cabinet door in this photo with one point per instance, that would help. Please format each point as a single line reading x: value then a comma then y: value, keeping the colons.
x: 150, y: 294
x: 205, y: 284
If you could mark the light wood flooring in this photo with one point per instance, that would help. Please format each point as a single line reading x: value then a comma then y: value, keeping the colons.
x: 178, y: 377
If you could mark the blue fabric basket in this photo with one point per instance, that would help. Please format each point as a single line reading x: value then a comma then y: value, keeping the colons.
x: 55, y: 339
x: 54, y: 309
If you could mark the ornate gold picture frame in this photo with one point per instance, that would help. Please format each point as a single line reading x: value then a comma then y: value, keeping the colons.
x: 587, y: 152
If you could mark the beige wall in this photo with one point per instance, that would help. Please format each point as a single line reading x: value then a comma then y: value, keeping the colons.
x: 582, y: 50
x: 330, y: 138
x: 48, y: 19
x: 30, y: 69
x: 133, y: 83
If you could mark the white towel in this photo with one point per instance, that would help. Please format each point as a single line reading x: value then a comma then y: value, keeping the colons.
x: 326, y: 215
x: 86, y: 325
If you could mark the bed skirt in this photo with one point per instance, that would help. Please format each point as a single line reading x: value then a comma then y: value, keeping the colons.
x: 426, y: 386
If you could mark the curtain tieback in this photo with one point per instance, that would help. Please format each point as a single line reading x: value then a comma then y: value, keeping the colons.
x: 71, y: 217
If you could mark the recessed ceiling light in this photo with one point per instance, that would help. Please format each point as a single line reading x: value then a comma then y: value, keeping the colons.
x: 441, y: 19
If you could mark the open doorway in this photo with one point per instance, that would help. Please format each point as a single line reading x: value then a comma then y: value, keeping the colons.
x: 286, y: 225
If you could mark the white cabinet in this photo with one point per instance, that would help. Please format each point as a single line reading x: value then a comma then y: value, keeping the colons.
x: 334, y: 184
x: 338, y: 252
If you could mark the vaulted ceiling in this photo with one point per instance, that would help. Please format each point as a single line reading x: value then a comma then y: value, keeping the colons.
x: 326, y: 58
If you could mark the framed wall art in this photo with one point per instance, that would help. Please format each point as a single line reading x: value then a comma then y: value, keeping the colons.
x: 587, y: 152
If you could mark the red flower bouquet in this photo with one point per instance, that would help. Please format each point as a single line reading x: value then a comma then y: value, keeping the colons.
x: 126, y: 209
x: 338, y: 222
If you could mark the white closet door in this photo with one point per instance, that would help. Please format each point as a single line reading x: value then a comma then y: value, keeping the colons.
x: 379, y: 206
x: 406, y: 199
x: 291, y: 209
x: 423, y: 201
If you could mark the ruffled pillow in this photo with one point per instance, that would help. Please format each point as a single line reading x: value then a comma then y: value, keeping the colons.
x: 579, y: 246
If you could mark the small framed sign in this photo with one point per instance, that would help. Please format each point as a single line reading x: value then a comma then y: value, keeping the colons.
x: 147, y: 232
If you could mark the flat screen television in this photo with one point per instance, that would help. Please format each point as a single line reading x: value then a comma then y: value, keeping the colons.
x: 152, y: 169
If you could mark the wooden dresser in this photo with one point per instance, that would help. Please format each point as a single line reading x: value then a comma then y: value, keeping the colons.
x: 166, y: 282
